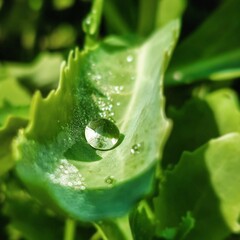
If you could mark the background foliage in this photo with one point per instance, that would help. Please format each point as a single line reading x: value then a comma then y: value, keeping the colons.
x: 196, y: 188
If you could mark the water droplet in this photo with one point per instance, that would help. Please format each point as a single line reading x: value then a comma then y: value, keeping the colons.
x: 87, y: 24
x: 102, y: 134
x: 110, y: 180
x: 70, y: 184
x: 136, y: 148
x: 118, y: 89
x: 177, y: 76
x: 83, y: 187
x: 129, y: 58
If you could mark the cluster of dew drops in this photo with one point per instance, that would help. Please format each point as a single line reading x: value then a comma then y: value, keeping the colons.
x: 101, y: 134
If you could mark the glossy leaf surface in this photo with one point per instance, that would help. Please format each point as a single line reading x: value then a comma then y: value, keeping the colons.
x: 119, y: 84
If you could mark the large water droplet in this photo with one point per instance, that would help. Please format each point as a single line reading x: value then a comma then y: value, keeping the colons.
x: 102, y: 134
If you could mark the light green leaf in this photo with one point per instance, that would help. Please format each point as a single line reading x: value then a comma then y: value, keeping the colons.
x: 123, y: 85
x: 14, y: 108
x: 199, y: 120
x: 212, y: 51
x: 12, y: 93
x: 206, y: 183
x: 7, y: 133
x: 43, y: 71
x: 169, y: 10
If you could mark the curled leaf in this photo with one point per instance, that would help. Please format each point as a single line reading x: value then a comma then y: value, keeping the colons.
x: 123, y: 85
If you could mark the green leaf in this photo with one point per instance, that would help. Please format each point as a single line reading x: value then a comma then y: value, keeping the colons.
x: 142, y: 222
x: 7, y: 133
x: 42, y: 72
x: 169, y: 10
x: 14, y: 108
x: 205, y: 182
x: 181, y: 231
x: 123, y: 85
x: 11, y: 92
x: 92, y: 23
x: 199, y: 120
x: 212, y: 51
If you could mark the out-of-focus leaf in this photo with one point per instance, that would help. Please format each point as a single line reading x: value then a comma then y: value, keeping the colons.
x: 7, y: 133
x: 44, y: 71
x: 212, y: 51
x: 12, y: 93
x: 122, y: 85
x: 14, y: 108
x: 181, y: 231
x: 199, y: 120
x: 8, y: 110
x: 142, y: 222
x: 169, y: 10
x: 30, y: 218
x: 204, y: 183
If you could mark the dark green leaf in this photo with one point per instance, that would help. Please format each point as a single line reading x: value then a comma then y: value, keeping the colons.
x: 142, y: 222
x: 205, y: 183
x: 212, y: 51
x: 199, y: 120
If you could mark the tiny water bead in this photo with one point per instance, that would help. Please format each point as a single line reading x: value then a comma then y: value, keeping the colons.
x: 87, y: 24
x: 110, y: 180
x: 129, y: 58
x: 102, y: 134
x: 136, y: 148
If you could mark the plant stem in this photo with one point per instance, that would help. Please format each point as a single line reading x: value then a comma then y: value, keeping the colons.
x: 92, y: 23
x: 69, y: 231
x: 117, y: 229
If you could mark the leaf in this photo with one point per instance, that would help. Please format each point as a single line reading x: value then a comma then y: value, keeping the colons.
x: 7, y: 133
x: 212, y: 51
x: 42, y: 72
x: 206, y: 183
x: 169, y: 10
x: 31, y: 219
x: 199, y: 120
x: 120, y: 84
x: 181, y: 231
x: 142, y: 222
x: 14, y: 107
x: 12, y: 93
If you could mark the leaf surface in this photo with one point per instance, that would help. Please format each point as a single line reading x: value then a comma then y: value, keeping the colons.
x: 123, y: 85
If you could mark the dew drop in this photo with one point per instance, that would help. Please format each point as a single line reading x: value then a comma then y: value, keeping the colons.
x: 110, y: 180
x: 136, y: 148
x: 102, y: 134
x: 83, y: 187
x: 129, y: 58
x: 87, y: 24
x: 177, y: 76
